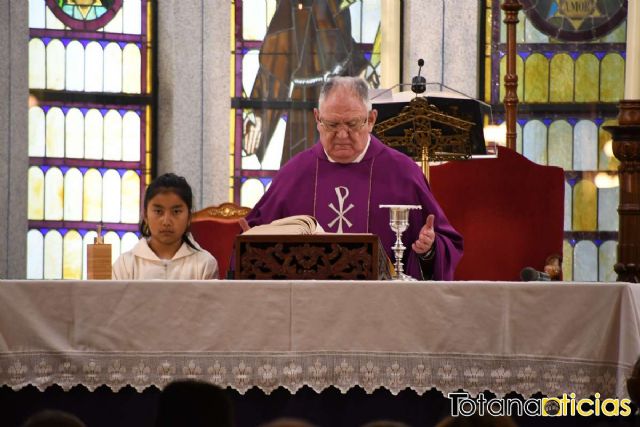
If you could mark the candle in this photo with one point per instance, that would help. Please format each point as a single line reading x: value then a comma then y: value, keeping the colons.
x: 632, y: 67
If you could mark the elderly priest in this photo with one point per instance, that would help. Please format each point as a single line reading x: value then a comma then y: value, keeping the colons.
x: 344, y: 179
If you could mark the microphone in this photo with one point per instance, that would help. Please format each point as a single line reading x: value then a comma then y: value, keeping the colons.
x: 419, y: 83
x: 529, y: 274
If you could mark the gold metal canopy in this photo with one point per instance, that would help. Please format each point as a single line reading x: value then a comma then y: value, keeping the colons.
x: 426, y: 134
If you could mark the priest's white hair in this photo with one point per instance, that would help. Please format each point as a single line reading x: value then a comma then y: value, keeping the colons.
x: 356, y: 84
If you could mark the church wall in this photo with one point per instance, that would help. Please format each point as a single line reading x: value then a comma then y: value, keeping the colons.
x: 457, y: 43
x: 13, y: 139
x: 193, y: 95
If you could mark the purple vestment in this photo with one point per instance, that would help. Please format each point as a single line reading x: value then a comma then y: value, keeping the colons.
x: 345, y: 197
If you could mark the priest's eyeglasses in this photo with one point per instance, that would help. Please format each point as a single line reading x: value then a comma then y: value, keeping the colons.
x: 351, y: 126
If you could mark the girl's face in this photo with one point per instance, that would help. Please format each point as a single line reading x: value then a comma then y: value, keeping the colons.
x: 168, y: 217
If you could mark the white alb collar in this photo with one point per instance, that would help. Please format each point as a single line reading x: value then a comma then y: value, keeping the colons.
x: 357, y: 159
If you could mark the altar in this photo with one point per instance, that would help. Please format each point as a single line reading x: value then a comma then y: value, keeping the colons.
x: 551, y: 338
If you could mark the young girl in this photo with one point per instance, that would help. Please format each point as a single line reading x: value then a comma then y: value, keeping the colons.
x: 167, y: 250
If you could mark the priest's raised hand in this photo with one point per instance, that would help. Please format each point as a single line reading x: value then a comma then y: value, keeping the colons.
x: 423, y: 246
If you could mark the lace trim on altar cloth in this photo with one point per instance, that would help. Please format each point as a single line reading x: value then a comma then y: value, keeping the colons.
x: 525, y: 375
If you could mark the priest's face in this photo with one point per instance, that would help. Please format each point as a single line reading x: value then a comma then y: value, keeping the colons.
x: 344, y: 124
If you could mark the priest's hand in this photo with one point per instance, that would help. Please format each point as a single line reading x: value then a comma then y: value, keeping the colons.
x: 427, y: 236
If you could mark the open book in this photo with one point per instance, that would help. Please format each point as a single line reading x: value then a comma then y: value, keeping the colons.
x: 297, y: 224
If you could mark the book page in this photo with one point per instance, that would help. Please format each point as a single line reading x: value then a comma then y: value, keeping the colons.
x: 297, y: 224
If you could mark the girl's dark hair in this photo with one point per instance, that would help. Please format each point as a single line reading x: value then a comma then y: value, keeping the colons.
x: 172, y: 183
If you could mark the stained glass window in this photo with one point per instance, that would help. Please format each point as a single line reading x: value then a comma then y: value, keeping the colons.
x: 90, y: 80
x: 282, y: 51
x: 570, y: 68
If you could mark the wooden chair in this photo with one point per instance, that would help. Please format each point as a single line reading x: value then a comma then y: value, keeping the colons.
x: 509, y: 210
x: 215, y: 229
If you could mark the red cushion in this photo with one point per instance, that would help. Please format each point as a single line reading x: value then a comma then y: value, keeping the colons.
x: 217, y: 236
x: 509, y: 210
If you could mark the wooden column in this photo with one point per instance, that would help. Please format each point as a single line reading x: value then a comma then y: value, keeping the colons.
x: 511, y: 9
x: 626, y: 148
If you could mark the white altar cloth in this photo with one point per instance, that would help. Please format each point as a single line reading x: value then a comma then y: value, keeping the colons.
x: 523, y: 337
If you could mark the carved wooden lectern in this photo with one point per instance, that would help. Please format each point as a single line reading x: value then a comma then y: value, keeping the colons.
x: 316, y: 256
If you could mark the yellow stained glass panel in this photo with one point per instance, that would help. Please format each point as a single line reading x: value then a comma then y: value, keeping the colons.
x: 250, y: 66
x: 619, y: 35
x: 36, y: 193
x: 250, y: 192
x: 53, y: 23
x: 612, y: 78
x: 35, y: 254
x: 131, y: 69
x: 535, y: 142
x: 37, y: 14
x: 88, y: 239
x: 536, y: 79
x: 55, y: 132
x: 75, y: 66
x: 587, y: 77
x: 607, y: 254
x: 585, y: 206
x: 93, y: 67
x: 115, y: 25
x: 608, y: 201
x: 37, y: 64
x: 73, y: 195
x: 112, y: 68
x: 567, y: 261
x: 533, y: 35
x: 72, y: 256
x: 585, y: 146
x: 53, y: 255
x: 561, y: 78
x: 585, y: 261
x: 132, y: 10
x: 606, y: 161
x: 130, y: 198
x: 131, y: 137
x: 129, y: 240
x: 53, y: 195
x: 74, y: 134
x: 112, y: 135
x: 111, y: 196
x: 561, y: 144
x: 92, y: 196
x: 37, y: 132
x: 254, y: 24
x: 93, y: 134
x: 55, y: 65
x: 519, y: 73
x: 568, y: 206
x: 113, y: 239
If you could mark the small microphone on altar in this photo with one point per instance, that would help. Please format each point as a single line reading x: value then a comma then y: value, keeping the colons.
x: 419, y: 83
x: 529, y: 274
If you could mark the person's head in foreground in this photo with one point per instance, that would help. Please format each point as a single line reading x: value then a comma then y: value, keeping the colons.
x: 53, y: 418
x: 194, y: 404
x: 477, y: 421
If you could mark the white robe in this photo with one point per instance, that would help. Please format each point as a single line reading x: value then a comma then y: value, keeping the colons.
x: 141, y: 263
